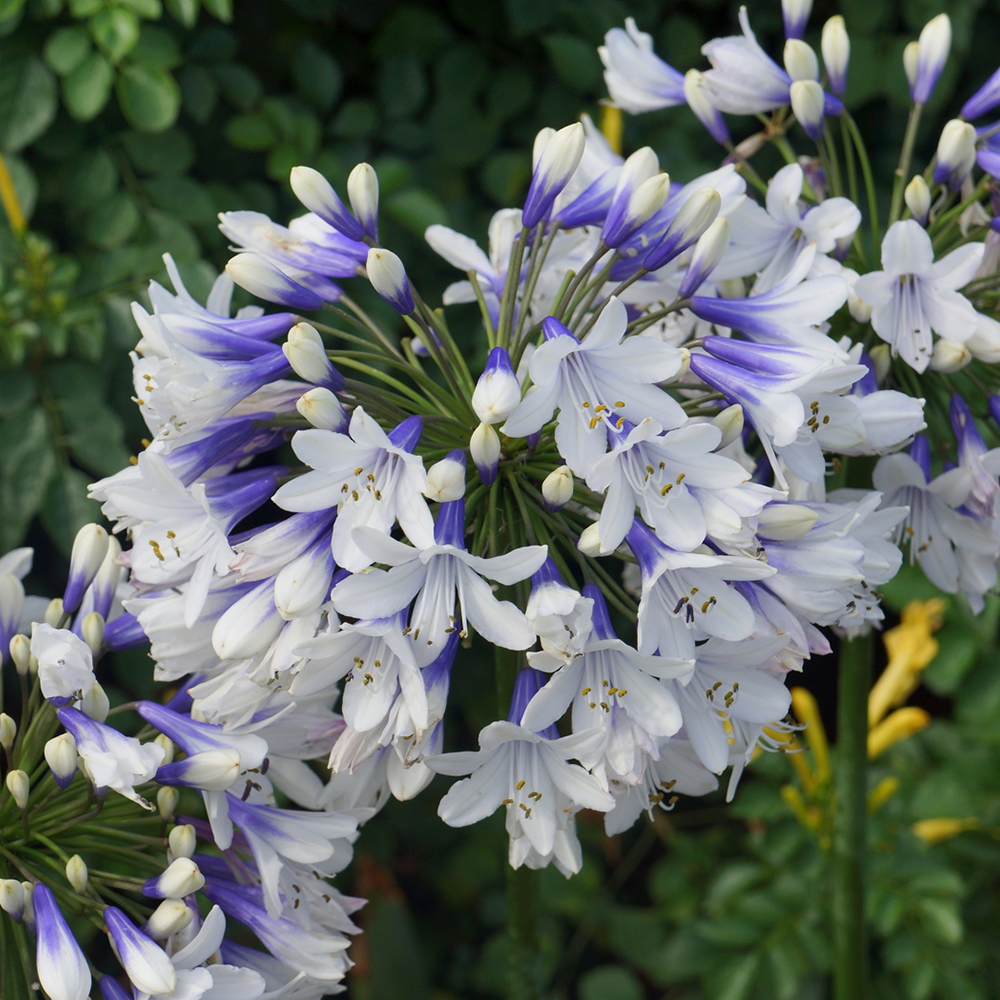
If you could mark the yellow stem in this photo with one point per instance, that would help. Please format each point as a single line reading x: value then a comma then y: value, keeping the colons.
x: 11, y: 203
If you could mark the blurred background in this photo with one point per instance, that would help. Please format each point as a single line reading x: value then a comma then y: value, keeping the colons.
x: 127, y: 125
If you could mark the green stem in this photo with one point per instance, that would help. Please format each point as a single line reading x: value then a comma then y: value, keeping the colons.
x: 906, y: 154
x: 866, y: 172
x: 850, y: 940
x: 523, y: 957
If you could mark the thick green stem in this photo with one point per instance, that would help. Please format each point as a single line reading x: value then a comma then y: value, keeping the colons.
x: 850, y: 940
x: 906, y: 154
x: 523, y: 960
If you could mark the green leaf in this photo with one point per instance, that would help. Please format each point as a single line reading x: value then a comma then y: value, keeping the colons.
x: 67, y: 508
x: 184, y: 11
x: 98, y: 445
x: 357, y: 119
x: 149, y: 97
x: 151, y: 9
x: 18, y: 389
x: 575, y: 61
x: 113, y: 221
x: 402, y: 86
x: 25, y: 184
x: 416, y: 209
x: 508, y: 91
x: 90, y: 179
x: 115, y: 31
x: 412, y: 29
x: 27, y: 463
x: 505, y: 175
x: 169, y: 235
x: 958, y: 651
x: 942, y: 919
x: 199, y: 92
x: 157, y: 47
x: 28, y: 102
x: 221, y: 9
x: 732, y: 980
x: 183, y: 197
x: 65, y: 49
x: 240, y: 86
x: 525, y: 17
x: 317, y: 75
x: 609, y: 982
x: 86, y: 90
x: 9, y: 9
x: 84, y: 8
x: 168, y: 152
x: 250, y: 132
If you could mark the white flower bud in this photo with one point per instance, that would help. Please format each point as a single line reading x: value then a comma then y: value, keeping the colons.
x: 60, y: 755
x: 910, y: 55
x: 984, y: 344
x: 557, y: 488
x: 20, y: 653
x: 54, y: 612
x: 484, y: 447
x: 170, y: 917
x: 949, y: 356
x: 554, y: 158
x: 696, y: 214
x: 807, y: 105
x: 918, y: 199
x: 646, y: 201
x: 166, y: 801
x: 17, y: 785
x: 685, y: 365
x: 785, y: 521
x: 800, y: 60
x: 89, y: 548
x: 305, y: 353
x: 708, y: 251
x: 212, y: 770
x: 316, y: 193
x: 388, y: 277
x: 8, y: 730
x: 362, y: 190
x: 29, y: 905
x: 76, y: 873
x: 956, y: 153
x: 861, y: 311
x: 932, y: 54
x: 162, y: 740
x: 795, y: 14
x: 589, y: 542
x: 182, y: 841
x: 542, y: 138
x: 446, y: 479
x: 696, y: 95
x: 881, y: 356
x: 730, y: 422
x: 303, y: 584
x: 836, y: 48
x: 92, y: 628
x: 249, y: 625
x: 181, y: 877
x: 498, y: 391
x: 12, y: 897
x: 95, y: 703
x: 322, y: 409
x: 262, y: 277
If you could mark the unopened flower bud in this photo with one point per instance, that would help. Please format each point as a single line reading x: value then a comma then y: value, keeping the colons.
x: 730, y: 422
x: 182, y: 841
x: 102, y: 590
x: 12, y: 897
x: 800, y: 60
x: 836, y: 48
x: 795, y: 14
x: 89, y: 549
x: 707, y: 253
x: 807, y: 106
x: 267, y: 281
x: 388, y: 278
x: 446, y: 479
x: 28, y: 913
x: 317, y: 194
x: 362, y: 190
x: 92, y: 631
x: 249, y: 625
x: 707, y: 113
x: 949, y: 356
x: 303, y: 584
x: 8, y: 730
x: 785, y: 521
x: 322, y: 409
x: 306, y: 354
x: 644, y: 203
x: 932, y: 53
x: 211, y: 770
x: 731, y: 288
x: 910, y: 55
x: 76, y: 873
x: 956, y: 153
x: 181, y: 877
x: 166, y: 801
x: 983, y: 100
x: 20, y: 653
x: 861, y: 311
x: 54, y: 612
x: 498, y: 391
x: 484, y: 447
x: 556, y: 155
x: 918, y: 199
x: 557, y: 488
x: 589, y: 542
x: 162, y: 740
x: 94, y: 703
x: 685, y: 365
x: 170, y: 917
x: 60, y: 755
x: 697, y: 213
x: 17, y: 785
x: 984, y: 344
